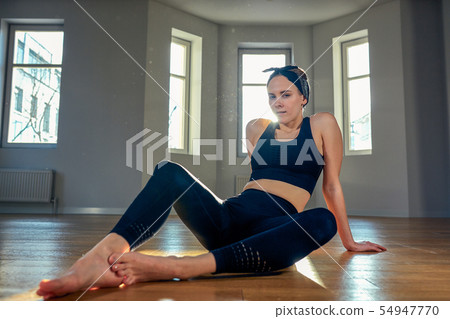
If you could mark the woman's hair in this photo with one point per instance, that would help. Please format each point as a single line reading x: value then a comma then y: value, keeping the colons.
x: 294, y: 74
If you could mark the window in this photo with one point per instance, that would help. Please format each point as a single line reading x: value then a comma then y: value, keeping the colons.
x: 253, y: 101
x: 18, y: 94
x: 353, y: 98
x: 357, y: 94
x: 34, y: 103
x: 17, y: 127
x: 34, y: 71
x: 46, y: 125
x: 179, y: 94
x: 20, y: 49
x: 185, y: 93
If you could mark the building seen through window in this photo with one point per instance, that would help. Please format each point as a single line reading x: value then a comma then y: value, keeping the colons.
x: 35, y: 79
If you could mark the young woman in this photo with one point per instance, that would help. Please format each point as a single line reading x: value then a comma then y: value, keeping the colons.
x: 265, y: 228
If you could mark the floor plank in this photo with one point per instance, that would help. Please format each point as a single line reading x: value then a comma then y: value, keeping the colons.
x: 415, y: 267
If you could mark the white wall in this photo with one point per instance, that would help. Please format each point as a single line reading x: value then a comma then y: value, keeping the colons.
x: 107, y: 99
x: 426, y: 109
x: 373, y: 184
x: 161, y: 21
x: 102, y: 98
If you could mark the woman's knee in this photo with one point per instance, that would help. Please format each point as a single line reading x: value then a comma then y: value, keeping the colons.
x: 165, y: 163
x: 172, y: 172
x: 167, y: 168
x: 328, y: 225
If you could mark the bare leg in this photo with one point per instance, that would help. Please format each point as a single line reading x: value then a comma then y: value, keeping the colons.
x: 87, y: 269
x: 136, y: 267
x: 171, y: 184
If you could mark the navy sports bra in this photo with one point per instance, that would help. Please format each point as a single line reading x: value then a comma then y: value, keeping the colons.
x: 297, y: 162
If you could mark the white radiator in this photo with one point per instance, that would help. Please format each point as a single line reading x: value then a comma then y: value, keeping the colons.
x: 241, y: 180
x: 19, y: 185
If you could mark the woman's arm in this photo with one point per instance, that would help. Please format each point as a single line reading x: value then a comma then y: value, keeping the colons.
x: 332, y: 190
x: 254, y: 130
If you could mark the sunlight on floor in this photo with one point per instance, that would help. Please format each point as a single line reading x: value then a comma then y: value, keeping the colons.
x: 307, y: 269
x: 29, y: 295
x: 154, y: 252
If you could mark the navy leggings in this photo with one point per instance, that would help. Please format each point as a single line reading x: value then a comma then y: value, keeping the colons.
x: 251, y: 232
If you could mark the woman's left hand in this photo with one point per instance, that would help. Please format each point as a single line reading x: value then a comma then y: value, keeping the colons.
x: 366, y: 246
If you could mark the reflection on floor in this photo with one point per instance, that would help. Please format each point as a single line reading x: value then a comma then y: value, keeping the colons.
x: 415, y: 267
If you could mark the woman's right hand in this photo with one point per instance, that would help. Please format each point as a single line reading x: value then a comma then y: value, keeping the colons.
x: 366, y: 246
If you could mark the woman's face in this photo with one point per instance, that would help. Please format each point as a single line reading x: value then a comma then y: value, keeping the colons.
x: 285, y: 99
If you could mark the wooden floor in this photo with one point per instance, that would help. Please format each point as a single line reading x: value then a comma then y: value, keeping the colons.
x: 415, y: 267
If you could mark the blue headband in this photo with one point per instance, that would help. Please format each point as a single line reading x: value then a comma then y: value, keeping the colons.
x: 300, y: 81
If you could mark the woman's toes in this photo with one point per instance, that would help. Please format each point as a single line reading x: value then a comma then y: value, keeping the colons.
x: 128, y: 280
x: 118, y: 266
x: 114, y: 258
x: 45, y: 284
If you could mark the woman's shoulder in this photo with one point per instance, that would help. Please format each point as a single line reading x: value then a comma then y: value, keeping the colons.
x: 322, y: 116
x: 257, y: 126
x: 323, y: 121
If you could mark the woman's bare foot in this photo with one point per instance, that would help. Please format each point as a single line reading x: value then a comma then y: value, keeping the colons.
x: 135, y: 267
x: 92, y: 267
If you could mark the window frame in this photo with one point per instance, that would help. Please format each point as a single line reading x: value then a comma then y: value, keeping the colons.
x: 345, y: 81
x: 187, y: 94
x: 340, y: 111
x: 6, y: 106
x: 241, y: 51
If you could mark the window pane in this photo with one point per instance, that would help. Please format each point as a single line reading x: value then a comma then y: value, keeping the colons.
x: 255, y: 105
x: 358, y: 60
x: 20, y: 51
x: 176, y: 113
x: 18, y: 99
x: 34, y: 104
x: 253, y: 66
x: 34, y: 94
x: 38, y: 47
x: 46, y: 123
x: 178, y: 59
x: 359, y: 114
